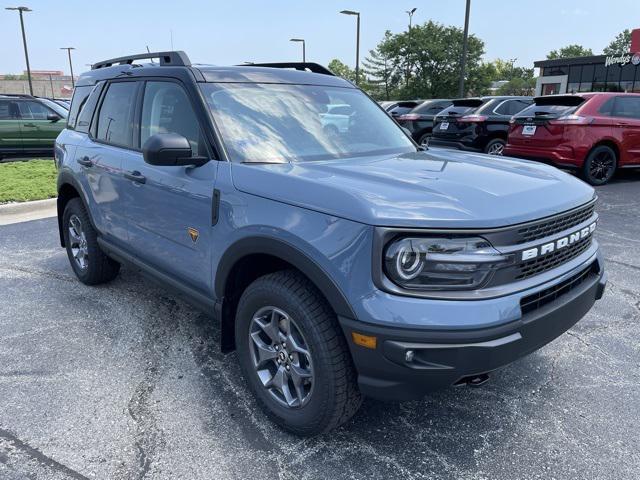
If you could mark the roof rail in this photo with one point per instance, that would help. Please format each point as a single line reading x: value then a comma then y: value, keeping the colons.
x: 311, y: 66
x: 18, y: 95
x: 171, y: 59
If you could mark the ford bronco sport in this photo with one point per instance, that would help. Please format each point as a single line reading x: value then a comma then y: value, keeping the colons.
x: 338, y: 264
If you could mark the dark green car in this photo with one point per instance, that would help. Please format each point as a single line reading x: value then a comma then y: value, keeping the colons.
x: 29, y: 125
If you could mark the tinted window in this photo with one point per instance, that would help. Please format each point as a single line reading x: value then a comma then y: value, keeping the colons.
x: 504, y: 108
x: 166, y: 109
x: 627, y: 107
x: 457, y: 110
x: 115, y: 117
x: 400, y: 110
x: 30, y: 110
x: 80, y: 94
x: 287, y: 123
x: 340, y: 110
x: 9, y: 110
x: 62, y: 112
x: 430, y: 108
x: 547, y: 110
x: 87, y: 109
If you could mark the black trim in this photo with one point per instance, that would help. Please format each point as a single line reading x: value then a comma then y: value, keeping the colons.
x: 171, y: 59
x: 196, y: 297
x: 559, y: 62
x: 215, y: 207
x: 66, y: 177
x: 290, y: 254
x: 303, y: 66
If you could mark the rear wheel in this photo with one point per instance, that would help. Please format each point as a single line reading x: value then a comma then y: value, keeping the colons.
x: 600, y: 165
x: 424, y: 140
x: 495, y: 147
x: 89, y: 263
x: 293, y: 354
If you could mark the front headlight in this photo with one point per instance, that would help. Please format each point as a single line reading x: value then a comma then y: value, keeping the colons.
x: 441, y: 263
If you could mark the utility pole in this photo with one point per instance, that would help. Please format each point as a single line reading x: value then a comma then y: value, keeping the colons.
x: 68, y: 49
x: 51, y: 83
x: 24, y: 42
x: 465, y: 39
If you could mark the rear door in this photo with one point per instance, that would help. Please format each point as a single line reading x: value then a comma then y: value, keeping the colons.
x: 626, y: 125
x: 39, y: 131
x: 169, y: 208
x: 10, y: 128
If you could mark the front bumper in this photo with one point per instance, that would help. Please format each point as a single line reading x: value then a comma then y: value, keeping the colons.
x: 444, y: 357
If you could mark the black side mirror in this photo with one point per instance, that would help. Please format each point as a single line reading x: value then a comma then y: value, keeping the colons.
x: 170, y: 149
x: 53, y: 117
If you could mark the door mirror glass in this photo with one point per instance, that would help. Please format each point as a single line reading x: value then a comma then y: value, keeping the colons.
x: 169, y: 149
x: 54, y: 117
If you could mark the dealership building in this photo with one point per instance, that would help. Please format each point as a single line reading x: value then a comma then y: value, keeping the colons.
x: 599, y: 73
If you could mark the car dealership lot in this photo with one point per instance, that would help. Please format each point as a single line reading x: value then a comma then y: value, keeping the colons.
x: 126, y: 381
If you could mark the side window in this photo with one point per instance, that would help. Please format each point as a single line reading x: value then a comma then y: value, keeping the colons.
x: 33, y: 110
x: 167, y: 109
x: 628, y: 107
x: 87, y: 109
x: 115, y: 124
x: 9, y: 110
x: 503, y: 108
x: 516, y: 106
x: 80, y: 95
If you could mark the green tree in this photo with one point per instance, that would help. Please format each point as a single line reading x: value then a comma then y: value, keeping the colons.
x: 569, y: 51
x: 506, y: 70
x: 380, y: 74
x: 425, y: 62
x: 518, y: 86
x: 620, y: 44
x: 342, y: 70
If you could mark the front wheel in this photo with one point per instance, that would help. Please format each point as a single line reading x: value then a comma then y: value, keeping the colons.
x: 495, y: 147
x: 424, y: 140
x: 293, y: 355
x: 600, y: 165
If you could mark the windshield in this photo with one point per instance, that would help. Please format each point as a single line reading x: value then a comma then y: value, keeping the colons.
x: 275, y: 123
x: 63, y: 112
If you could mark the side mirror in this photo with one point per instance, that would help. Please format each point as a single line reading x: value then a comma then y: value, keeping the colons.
x: 53, y: 117
x: 170, y: 149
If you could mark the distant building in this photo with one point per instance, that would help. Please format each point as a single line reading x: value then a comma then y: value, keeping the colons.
x: 598, y: 73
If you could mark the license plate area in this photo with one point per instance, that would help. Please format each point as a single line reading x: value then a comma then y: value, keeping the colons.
x: 444, y: 126
x: 529, y: 130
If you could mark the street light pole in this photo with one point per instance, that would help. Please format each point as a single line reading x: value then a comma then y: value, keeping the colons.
x: 68, y: 49
x: 304, y: 48
x: 357, y: 14
x: 24, y: 42
x: 465, y: 40
x: 410, y: 13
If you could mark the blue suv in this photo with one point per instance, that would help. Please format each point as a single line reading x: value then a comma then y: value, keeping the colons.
x: 340, y: 263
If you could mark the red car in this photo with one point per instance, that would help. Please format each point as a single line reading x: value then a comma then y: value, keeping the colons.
x: 596, y: 133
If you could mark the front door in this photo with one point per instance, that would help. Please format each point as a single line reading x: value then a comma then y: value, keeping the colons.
x: 170, y: 208
x: 38, y: 131
x: 10, y: 129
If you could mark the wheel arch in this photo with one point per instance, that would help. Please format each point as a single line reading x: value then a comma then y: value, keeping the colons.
x: 68, y: 188
x: 252, y: 257
x: 606, y: 142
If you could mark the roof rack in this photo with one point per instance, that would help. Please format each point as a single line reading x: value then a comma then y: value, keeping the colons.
x: 311, y: 66
x: 171, y: 59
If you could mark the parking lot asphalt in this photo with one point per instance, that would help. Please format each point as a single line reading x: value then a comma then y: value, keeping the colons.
x: 124, y: 381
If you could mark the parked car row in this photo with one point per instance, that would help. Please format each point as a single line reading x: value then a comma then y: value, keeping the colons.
x: 593, y: 133
x: 29, y: 125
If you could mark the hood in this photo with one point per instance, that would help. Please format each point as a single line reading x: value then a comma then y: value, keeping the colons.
x: 438, y: 189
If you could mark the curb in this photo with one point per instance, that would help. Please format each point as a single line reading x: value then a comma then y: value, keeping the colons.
x: 20, y: 208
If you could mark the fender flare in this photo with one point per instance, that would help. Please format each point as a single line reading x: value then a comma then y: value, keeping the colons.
x: 67, y: 178
x: 283, y: 250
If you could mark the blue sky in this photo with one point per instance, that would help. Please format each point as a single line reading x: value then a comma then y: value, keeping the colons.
x: 227, y: 32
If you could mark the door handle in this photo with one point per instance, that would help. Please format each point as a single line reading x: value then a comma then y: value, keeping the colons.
x: 85, y: 161
x: 622, y: 124
x: 135, y: 176
x: 29, y: 125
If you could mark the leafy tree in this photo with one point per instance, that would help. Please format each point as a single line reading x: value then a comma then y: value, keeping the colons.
x: 518, y: 86
x: 342, y: 70
x: 620, y: 44
x: 380, y: 74
x: 506, y: 70
x: 569, y: 51
x: 425, y: 62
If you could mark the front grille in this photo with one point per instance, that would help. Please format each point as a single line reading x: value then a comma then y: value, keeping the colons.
x: 548, y: 227
x: 533, y: 302
x: 539, y: 265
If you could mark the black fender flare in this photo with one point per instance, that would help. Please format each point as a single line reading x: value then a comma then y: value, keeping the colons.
x: 267, y: 245
x: 67, y: 178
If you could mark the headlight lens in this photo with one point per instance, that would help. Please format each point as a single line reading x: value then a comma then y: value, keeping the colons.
x: 441, y: 263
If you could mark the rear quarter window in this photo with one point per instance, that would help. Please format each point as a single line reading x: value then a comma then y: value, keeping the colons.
x: 80, y: 95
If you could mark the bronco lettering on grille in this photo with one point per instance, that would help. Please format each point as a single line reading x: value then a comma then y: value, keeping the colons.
x: 563, y: 242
